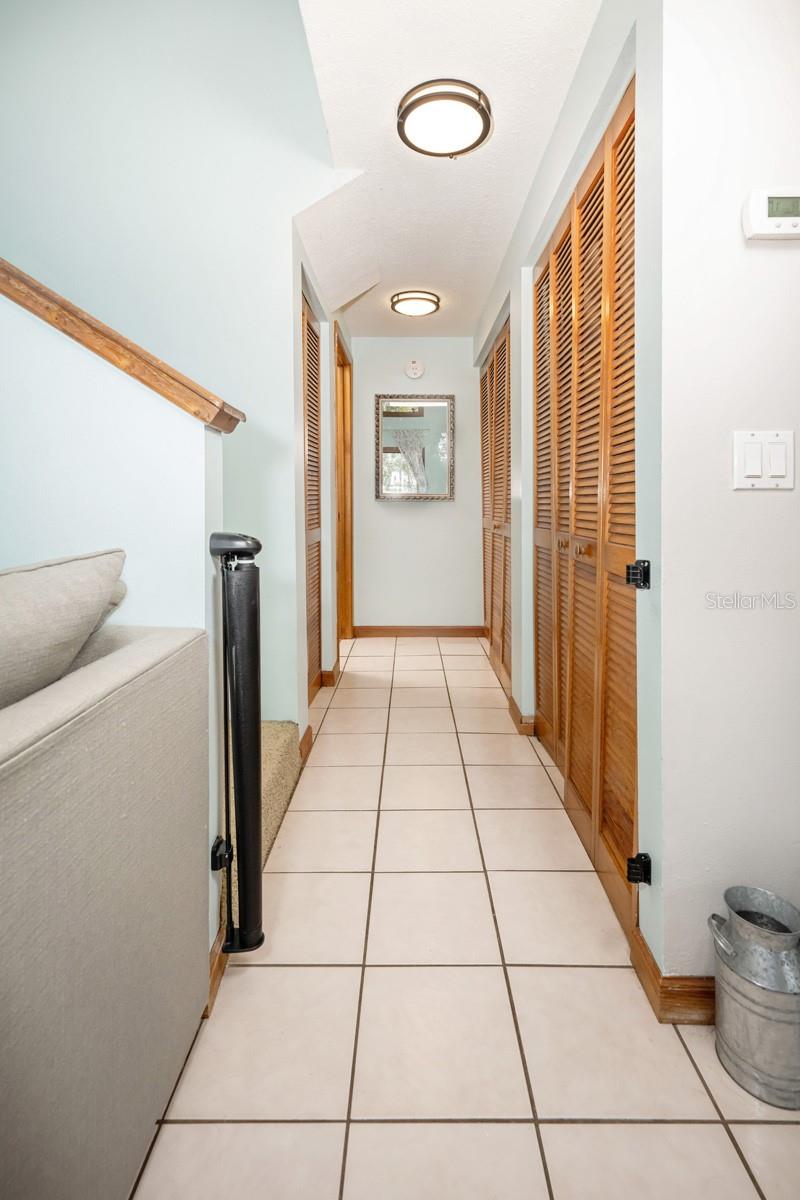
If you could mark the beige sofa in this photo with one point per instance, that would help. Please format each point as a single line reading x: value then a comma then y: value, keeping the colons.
x: 104, y: 886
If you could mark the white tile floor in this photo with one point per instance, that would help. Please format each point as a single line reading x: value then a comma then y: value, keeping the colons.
x: 444, y: 1007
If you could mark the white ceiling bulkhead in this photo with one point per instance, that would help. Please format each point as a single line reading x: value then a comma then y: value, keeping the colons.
x: 414, y: 221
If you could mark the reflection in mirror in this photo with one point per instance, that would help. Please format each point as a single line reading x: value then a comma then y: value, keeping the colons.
x: 414, y: 447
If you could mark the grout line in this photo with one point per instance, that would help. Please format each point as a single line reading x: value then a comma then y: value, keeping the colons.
x: 713, y: 1122
x: 504, y: 966
x: 163, y: 1118
x: 346, y: 1140
x: 449, y: 870
x: 446, y: 966
x: 449, y: 808
x: 721, y: 1115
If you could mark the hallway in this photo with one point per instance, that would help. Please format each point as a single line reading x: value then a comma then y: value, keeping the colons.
x: 444, y: 1000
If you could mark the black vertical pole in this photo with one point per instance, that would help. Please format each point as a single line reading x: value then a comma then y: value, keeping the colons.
x: 240, y: 615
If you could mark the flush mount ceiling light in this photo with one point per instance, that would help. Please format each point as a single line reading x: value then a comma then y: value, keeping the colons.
x: 444, y: 118
x: 415, y: 304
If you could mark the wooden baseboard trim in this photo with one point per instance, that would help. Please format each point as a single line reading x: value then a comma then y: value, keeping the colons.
x: 525, y: 725
x: 675, y: 999
x: 217, y: 962
x: 367, y: 631
x: 330, y: 678
x: 306, y: 742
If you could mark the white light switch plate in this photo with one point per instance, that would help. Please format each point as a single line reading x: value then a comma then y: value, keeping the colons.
x: 763, y: 458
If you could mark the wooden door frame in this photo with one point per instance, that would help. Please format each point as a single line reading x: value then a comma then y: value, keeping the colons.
x: 344, y: 487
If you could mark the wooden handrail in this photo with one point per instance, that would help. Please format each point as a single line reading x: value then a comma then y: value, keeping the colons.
x: 125, y: 355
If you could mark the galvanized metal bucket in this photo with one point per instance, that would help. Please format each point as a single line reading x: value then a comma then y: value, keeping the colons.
x: 758, y: 994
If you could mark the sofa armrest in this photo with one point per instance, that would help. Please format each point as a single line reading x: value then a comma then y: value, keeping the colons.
x: 125, y: 654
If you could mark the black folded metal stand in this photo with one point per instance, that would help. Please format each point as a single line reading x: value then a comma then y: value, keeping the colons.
x: 242, y: 739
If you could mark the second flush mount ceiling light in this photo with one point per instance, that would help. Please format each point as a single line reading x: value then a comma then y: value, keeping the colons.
x: 415, y: 303
x: 444, y: 118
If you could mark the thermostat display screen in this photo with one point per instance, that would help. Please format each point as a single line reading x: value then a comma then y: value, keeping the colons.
x: 783, y: 206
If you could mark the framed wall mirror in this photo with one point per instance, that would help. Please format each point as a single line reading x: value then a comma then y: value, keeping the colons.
x: 414, y: 447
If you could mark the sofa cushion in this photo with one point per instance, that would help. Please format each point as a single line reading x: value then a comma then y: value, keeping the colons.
x: 47, y: 612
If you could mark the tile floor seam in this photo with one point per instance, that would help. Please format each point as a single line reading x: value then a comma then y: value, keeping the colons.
x: 162, y: 1120
x: 504, y: 965
x: 706, y: 1121
x: 454, y: 966
x: 723, y: 1119
x: 346, y: 1139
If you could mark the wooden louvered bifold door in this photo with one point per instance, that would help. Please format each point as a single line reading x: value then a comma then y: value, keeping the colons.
x: 313, y: 513
x: 615, y: 817
x: 496, y: 465
x: 584, y: 507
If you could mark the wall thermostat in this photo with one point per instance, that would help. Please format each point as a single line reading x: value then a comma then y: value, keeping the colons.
x: 772, y: 214
x: 415, y: 369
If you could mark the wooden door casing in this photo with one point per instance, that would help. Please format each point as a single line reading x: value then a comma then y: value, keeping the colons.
x: 312, y: 412
x: 584, y: 507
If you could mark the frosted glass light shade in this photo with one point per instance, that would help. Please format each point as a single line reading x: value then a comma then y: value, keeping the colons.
x: 444, y: 118
x: 415, y: 304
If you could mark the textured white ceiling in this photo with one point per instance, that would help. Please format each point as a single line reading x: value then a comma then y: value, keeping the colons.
x: 420, y: 222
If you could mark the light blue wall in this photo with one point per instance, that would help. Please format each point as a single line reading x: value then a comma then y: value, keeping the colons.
x: 417, y: 563
x: 154, y: 155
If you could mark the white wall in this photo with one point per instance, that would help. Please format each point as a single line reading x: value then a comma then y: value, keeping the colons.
x: 731, y: 360
x: 417, y: 564
x: 91, y: 460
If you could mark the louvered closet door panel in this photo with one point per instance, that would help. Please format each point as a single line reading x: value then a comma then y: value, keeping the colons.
x: 618, y: 776
x: 544, y: 628
x: 622, y: 465
x: 486, y: 494
x: 585, y: 474
x: 562, y: 645
x: 562, y: 401
x: 313, y: 614
x: 588, y: 384
x: 313, y: 457
x: 562, y: 319
x: 543, y: 441
x: 581, y: 715
x: 543, y: 643
x: 501, y: 509
x: 619, y: 742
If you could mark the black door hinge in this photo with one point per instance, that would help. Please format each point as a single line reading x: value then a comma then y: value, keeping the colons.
x: 221, y: 854
x: 637, y: 574
x: 640, y: 869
